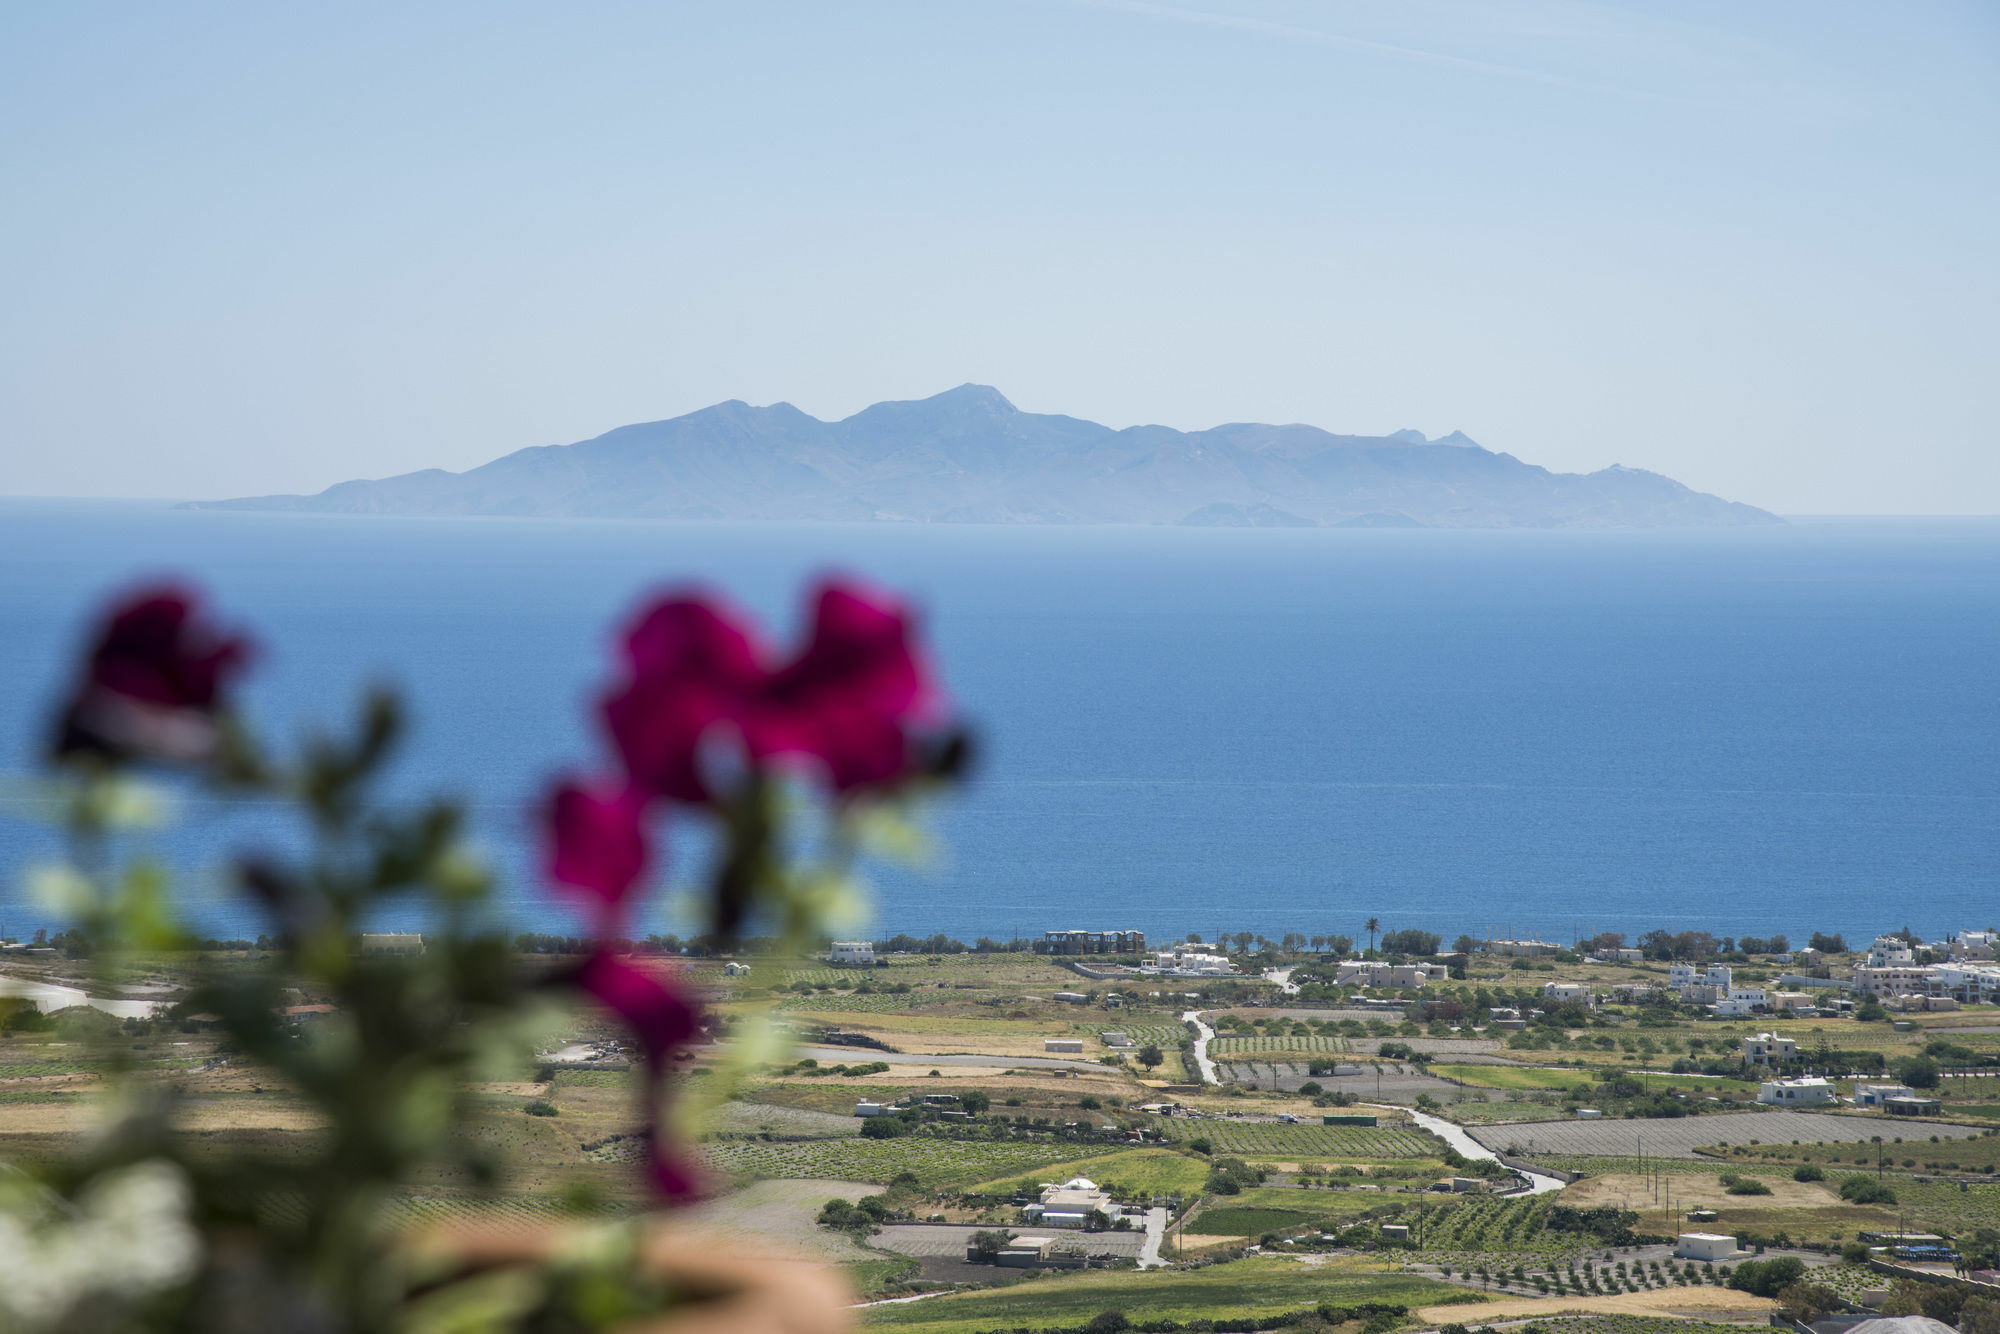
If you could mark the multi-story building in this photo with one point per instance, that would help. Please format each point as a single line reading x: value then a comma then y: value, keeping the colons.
x: 1683, y: 975
x: 1889, y: 952
x: 1092, y: 942
x: 1902, y: 979
x: 1560, y: 993
x: 1973, y: 945
x: 1966, y: 983
x: 850, y: 952
x: 1769, y: 1049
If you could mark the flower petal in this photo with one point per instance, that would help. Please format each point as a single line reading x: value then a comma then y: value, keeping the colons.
x: 660, y: 1012
x: 598, y: 845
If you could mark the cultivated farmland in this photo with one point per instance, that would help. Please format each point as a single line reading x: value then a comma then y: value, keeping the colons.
x: 1276, y: 1139
x: 1680, y: 1138
x: 938, y: 1162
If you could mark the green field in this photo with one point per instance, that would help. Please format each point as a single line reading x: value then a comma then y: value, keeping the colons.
x: 1144, y: 1171
x: 938, y: 1162
x: 1281, y: 1209
x: 1275, y: 1139
x: 1254, y: 1287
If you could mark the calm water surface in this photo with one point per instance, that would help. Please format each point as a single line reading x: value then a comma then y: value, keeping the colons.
x: 1756, y: 731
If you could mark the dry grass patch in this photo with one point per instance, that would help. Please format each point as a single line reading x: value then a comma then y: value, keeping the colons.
x: 1692, y: 1303
x: 1630, y: 1191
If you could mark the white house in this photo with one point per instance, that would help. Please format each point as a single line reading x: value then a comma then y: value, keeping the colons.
x: 1069, y: 1204
x: 1769, y: 1049
x: 734, y: 969
x: 1973, y: 945
x: 1067, y: 1046
x: 848, y: 952
x: 1683, y: 975
x: 1890, y: 952
x: 1811, y: 1091
x: 1562, y: 992
x: 1192, y: 962
x: 1629, y: 955
x: 1878, y: 1095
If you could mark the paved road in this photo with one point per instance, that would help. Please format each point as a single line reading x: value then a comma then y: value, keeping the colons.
x: 1456, y: 1137
x: 1680, y: 1138
x: 1203, y: 1034
x: 1156, y: 1231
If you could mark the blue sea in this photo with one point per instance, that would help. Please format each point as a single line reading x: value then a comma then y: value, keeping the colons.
x: 1752, y: 731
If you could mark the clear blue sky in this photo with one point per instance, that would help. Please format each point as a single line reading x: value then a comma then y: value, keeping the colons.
x: 259, y: 247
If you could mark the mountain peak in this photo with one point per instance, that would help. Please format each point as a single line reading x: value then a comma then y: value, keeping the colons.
x: 1409, y: 436
x: 969, y: 395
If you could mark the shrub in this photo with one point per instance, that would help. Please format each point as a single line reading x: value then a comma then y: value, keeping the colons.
x: 1858, y: 1189
x: 985, y: 1247
x: 884, y: 1127
x: 1808, y: 1172
x: 1748, y: 1186
x: 1767, y: 1278
x: 540, y: 1107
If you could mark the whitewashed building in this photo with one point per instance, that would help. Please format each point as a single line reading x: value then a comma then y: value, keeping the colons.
x: 1769, y: 1049
x: 1811, y: 1091
x: 851, y: 952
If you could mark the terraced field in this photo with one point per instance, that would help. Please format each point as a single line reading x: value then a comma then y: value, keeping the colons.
x: 1166, y: 1036
x: 875, y: 1003
x: 938, y: 1162
x: 1679, y: 1139
x: 1276, y: 1139
x: 1287, y: 1044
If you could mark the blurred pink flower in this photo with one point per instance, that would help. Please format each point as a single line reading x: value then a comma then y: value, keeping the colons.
x: 843, y: 705
x: 692, y: 666
x: 660, y: 1013
x: 153, y: 683
x: 598, y: 847
x: 673, y: 1173
x: 849, y: 697
x: 662, y: 1017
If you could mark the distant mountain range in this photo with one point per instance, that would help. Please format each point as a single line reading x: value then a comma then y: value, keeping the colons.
x: 970, y: 456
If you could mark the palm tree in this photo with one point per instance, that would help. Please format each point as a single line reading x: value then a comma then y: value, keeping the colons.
x: 1372, y: 925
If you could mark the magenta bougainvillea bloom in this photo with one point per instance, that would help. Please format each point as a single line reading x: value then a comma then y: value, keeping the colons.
x: 692, y: 666
x: 663, y: 1019
x: 843, y: 705
x: 672, y: 1172
x: 598, y: 847
x: 153, y: 683
x: 660, y: 1012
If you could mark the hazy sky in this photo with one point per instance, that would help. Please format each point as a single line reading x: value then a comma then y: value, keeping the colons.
x: 259, y: 247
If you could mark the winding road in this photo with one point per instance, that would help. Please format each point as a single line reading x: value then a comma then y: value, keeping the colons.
x: 1203, y: 1033
x: 1455, y: 1136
